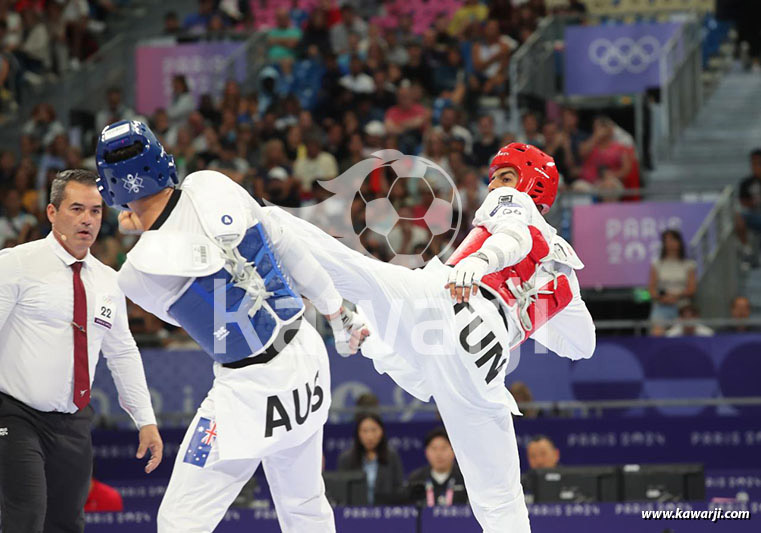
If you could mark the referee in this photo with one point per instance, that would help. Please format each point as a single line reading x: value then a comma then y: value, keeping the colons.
x: 59, y: 307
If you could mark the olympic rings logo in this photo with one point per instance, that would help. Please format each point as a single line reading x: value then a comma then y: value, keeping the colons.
x: 625, y: 54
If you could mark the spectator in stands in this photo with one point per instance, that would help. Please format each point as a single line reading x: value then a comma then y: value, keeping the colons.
x: 417, y: 70
x: 740, y: 311
x: 541, y: 452
x: 450, y: 77
x: 750, y: 200
x: 602, y: 151
x: 54, y: 157
x: 609, y: 186
x: 316, y: 164
x: 14, y: 28
x: 558, y: 144
x: 24, y: 183
x: 316, y: 33
x: 114, y: 111
x: 349, y: 24
x: 197, y: 23
x: 372, y: 454
x: 356, y: 80
x: 183, y: 103
x: 43, y: 127
x: 502, y: 11
x: 16, y: 225
x: 8, y: 69
x: 487, y: 144
x: 473, y: 192
x: 673, y: 278
x: 440, y: 482
x: 59, y: 37
x: 396, y: 52
x: 490, y: 59
x: 75, y: 18
x: 471, y: 11
x: 576, y: 7
x: 531, y: 134
x: 228, y: 161
x: 407, y: 120
x: 522, y: 395
x: 7, y: 166
x: 436, y: 150
x: 576, y: 137
x: 172, y: 23
x: 450, y: 129
x: 686, y: 326
x: 283, y: 39
x: 34, y: 51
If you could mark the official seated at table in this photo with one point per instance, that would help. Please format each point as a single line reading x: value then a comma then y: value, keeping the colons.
x: 440, y: 482
x: 381, y: 464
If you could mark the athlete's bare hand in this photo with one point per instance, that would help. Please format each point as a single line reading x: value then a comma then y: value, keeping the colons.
x: 129, y: 223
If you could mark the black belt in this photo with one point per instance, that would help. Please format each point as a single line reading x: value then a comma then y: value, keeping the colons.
x: 286, y: 335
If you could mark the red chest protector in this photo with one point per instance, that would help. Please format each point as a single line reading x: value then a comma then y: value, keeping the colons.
x: 510, y: 282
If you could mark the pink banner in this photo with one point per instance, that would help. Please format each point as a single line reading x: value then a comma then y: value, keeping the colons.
x: 202, y: 64
x: 618, y: 242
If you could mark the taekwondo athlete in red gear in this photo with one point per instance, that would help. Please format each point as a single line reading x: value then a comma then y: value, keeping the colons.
x: 445, y: 331
x: 210, y: 261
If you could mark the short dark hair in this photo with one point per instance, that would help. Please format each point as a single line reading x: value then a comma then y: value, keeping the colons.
x: 367, y: 399
x: 538, y: 438
x: 436, y: 433
x: 58, y: 187
x: 755, y: 153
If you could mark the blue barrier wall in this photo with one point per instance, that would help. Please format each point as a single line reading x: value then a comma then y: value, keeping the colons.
x: 732, y: 442
x: 622, y: 368
x: 592, y: 518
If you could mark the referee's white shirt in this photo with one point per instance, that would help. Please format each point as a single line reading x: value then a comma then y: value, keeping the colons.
x: 36, y: 335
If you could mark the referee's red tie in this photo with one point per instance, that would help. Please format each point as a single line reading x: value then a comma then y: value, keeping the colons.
x: 81, y: 365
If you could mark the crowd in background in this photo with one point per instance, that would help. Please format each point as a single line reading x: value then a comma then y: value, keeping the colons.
x: 337, y: 89
x: 43, y: 39
x: 342, y: 81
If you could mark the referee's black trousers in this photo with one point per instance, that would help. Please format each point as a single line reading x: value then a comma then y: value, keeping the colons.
x: 45, y: 468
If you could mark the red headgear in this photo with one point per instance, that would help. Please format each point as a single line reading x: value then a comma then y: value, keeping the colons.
x: 537, y: 174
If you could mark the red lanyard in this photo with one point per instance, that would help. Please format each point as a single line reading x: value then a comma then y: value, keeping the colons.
x: 430, y: 498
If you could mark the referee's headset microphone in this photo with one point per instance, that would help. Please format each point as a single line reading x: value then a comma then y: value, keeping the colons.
x: 63, y: 237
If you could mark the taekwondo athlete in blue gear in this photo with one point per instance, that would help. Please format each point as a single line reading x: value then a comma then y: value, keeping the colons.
x: 210, y: 261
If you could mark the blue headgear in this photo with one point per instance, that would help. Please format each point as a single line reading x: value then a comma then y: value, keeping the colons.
x: 132, y: 164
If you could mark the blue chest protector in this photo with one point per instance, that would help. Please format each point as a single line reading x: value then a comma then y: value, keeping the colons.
x: 237, y: 311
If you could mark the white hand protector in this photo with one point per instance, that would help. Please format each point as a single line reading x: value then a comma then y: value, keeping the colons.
x: 464, y: 276
x: 349, y: 331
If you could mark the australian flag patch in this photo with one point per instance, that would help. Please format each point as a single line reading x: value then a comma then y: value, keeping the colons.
x: 504, y: 201
x: 200, y: 445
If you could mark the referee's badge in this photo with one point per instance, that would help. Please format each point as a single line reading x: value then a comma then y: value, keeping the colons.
x: 104, y: 311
